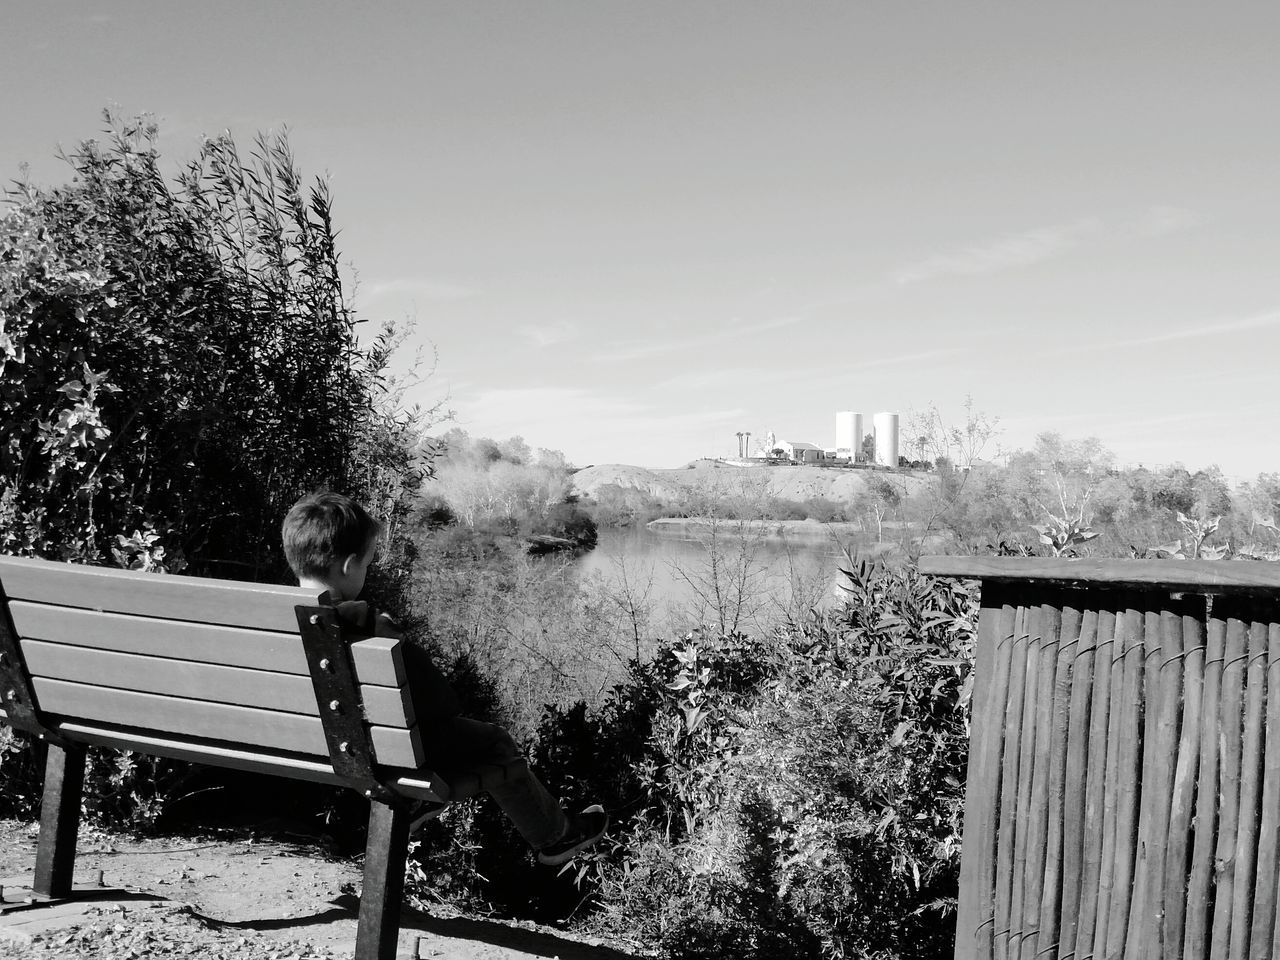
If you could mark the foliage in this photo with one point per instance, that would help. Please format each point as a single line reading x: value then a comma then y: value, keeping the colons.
x: 178, y: 363
x: 794, y: 795
x: 181, y: 359
x: 613, y: 505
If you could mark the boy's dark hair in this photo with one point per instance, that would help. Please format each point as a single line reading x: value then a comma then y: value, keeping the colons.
x: 325, y: 528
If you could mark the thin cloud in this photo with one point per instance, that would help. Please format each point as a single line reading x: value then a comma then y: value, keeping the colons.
x: 1162, y: 220
x: 1219, y: 328
x: 1015, y: 250
x: 550, y: 334
x: 1044, y: 243
x: 547, y: 416
x: 737, y: 377
x: 640, y: 349
x: 843, y: 372
x: 422, y: 288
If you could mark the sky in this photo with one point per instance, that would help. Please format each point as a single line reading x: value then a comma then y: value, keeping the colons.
x: 631, y: 230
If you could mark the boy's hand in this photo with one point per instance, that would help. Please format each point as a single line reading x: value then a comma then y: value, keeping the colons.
x: 387, y: 627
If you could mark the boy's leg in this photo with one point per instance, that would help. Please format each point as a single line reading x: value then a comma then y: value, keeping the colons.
x: 459, y: 742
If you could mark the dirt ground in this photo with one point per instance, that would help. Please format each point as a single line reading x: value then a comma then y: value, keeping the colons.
x: 231, y: 895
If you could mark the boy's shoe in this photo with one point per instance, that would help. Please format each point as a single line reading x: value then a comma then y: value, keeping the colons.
x: 585, y: 828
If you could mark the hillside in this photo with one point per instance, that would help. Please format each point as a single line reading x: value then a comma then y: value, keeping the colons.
x: 790, y: 483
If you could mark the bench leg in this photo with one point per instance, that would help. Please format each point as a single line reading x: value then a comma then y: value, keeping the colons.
x: 59, y: 820
x: 384, y: 858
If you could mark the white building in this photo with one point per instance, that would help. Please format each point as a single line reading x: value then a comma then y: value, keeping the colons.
x: 849, y: 434
x: 886, y: 430
x: 799, y: 451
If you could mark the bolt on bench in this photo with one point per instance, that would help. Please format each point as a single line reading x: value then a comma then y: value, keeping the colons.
x: 231, y: 674
x: 1123, y: 794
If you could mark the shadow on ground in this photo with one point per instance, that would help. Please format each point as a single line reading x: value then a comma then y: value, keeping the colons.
x: 537, y: 943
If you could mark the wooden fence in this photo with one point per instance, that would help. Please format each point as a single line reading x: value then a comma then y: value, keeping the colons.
x: 1123, y: 792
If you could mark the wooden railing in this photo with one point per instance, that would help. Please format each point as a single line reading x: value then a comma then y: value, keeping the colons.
x: 1123, y: 793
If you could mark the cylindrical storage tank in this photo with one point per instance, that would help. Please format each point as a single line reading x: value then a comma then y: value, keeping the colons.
x: 849, y: 433
x: 886, y: 427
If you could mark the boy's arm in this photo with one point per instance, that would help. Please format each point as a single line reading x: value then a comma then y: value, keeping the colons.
x: 431, y: 692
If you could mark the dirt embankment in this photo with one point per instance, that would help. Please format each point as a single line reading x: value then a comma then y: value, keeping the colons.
x: 840, y: 485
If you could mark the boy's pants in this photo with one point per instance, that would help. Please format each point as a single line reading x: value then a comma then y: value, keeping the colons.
x: 458, y: 742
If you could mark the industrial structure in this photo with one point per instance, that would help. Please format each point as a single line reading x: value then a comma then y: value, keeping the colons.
x: 886, y: 431
x: 851, y: 433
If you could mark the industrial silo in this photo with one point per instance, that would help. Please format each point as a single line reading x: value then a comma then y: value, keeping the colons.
x: 886, y: 427
x: 849, y: 433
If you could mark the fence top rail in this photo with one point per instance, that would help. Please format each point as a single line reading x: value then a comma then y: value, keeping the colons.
x: 1203, y: 576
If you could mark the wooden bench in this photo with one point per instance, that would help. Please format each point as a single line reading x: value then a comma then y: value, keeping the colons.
x: 237, y: 675
x: 1123, y: 794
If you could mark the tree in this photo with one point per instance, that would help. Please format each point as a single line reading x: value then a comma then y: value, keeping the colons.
x: 180, y: 361
x: 867, y: 454
x: 955, y: 450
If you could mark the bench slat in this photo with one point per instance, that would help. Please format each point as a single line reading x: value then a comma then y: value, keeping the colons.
x: 378, y: 660
x: 384, y: 706
x: 421, y: 783
x: 249, y: 726
x: 225, y: 602
x: 232, y: 647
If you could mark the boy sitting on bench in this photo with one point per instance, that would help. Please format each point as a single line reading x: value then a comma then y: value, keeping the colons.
x: 329, y: 541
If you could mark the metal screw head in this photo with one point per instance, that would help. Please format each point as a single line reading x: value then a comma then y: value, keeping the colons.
x: 315, y: 618
x: 335, y: 706
x: 12, y: 694
x: 368, y: 793
x: 324, y: 664
x: 344, y: 747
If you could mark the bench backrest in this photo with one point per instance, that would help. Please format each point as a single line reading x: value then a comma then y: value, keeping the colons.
x: 208, y: 659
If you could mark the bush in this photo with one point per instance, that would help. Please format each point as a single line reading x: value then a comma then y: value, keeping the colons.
x: 792, y: 795
x: 824, y: 510
x: 178, y: 364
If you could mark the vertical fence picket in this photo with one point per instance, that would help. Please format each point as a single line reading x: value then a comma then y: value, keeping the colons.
x: 1149, y: 761
x: 1049, y: 923
x: 982, y: 790
x: 1027, y: 763
x: 1199, y: 883
x: 1129, y: 775
x: 1050, y: 623
x: 1165, y: 661
x: 1228, y: 787
x: 1262, y: 935
x: 1115, y: 733
x: 1075, y: 786
x: 1183, y: 788
x: 1009, y: 784
x: 1246, y: 853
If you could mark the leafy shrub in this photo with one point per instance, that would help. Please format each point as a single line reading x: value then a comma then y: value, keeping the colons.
x: 178, y: 363
x: 569, y: 521
x: 824, y: 510
x: 780, y: 508
x: 791, y: 795
x: 613, y: 505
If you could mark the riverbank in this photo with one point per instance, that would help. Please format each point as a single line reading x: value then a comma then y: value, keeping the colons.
x: 837, y: 532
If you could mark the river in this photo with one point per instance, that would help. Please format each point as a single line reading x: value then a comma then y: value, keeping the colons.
x: 763, y: 580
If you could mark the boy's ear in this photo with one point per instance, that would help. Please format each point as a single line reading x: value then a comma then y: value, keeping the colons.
x: 350, y: 561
